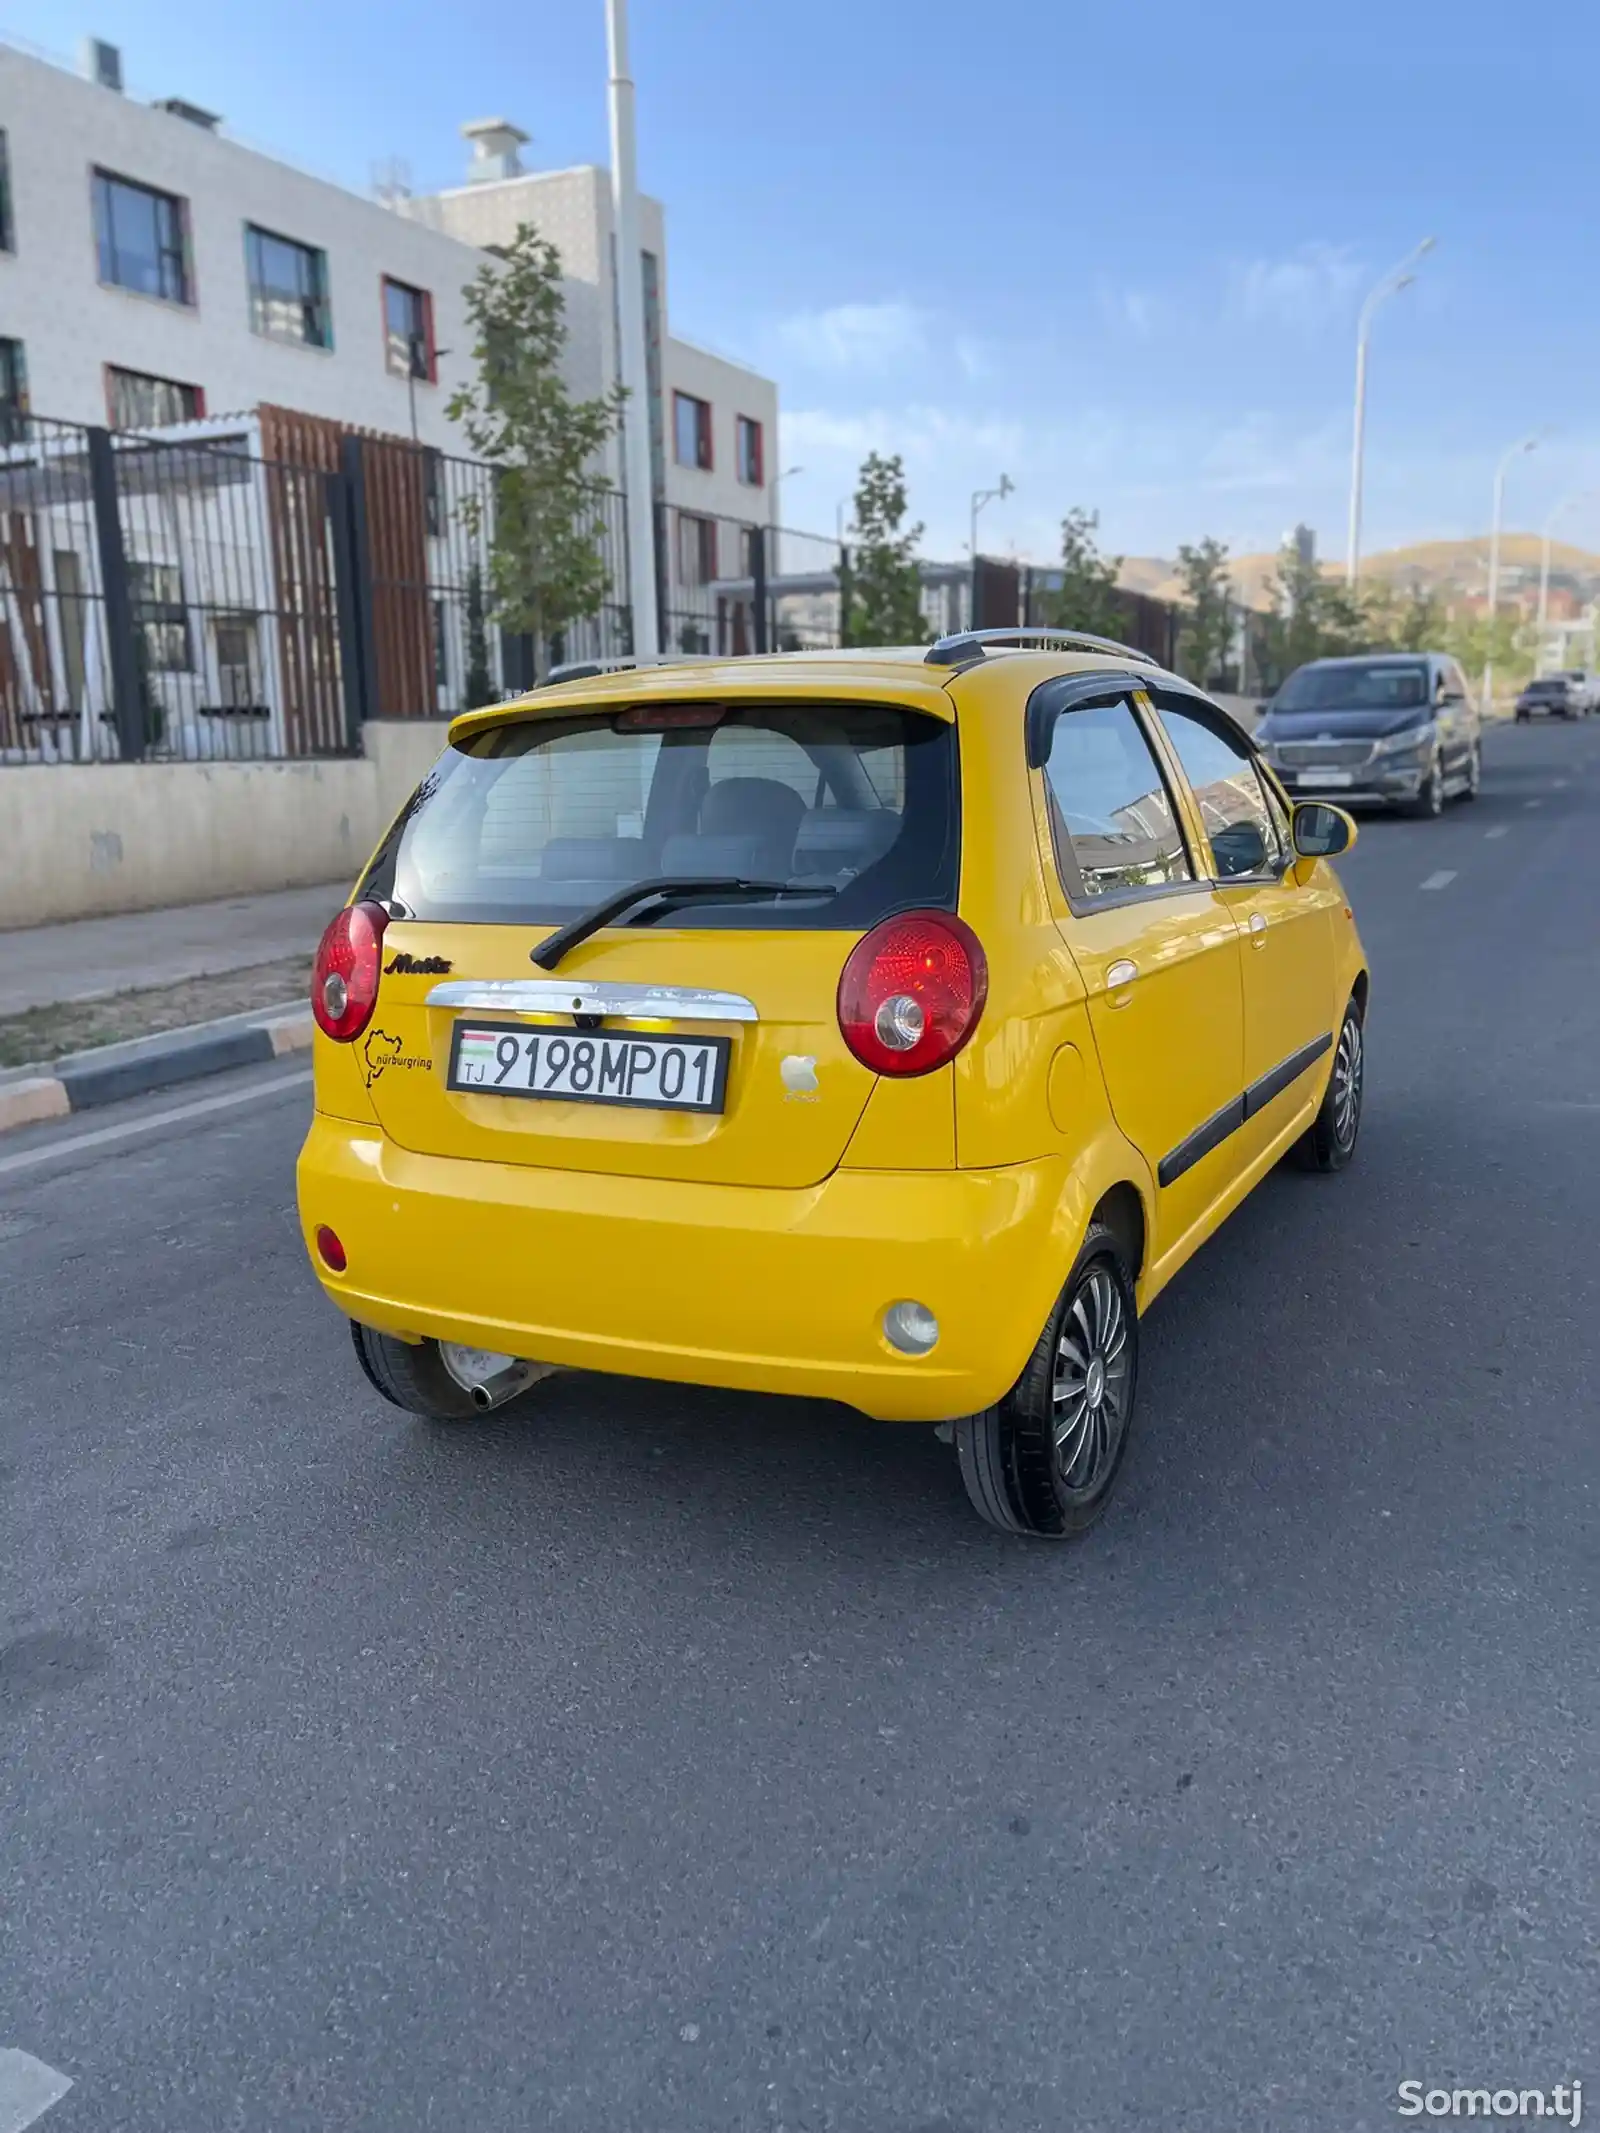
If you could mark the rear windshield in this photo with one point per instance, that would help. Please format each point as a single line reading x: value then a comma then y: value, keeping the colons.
x: 540, y: 819
x: 1355, y: 688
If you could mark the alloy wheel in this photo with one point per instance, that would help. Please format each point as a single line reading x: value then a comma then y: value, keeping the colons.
x: 1091, y: 1387
x: 1348, y: 1063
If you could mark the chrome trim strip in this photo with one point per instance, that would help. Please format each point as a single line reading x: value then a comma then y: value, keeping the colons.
x: 573, y: 996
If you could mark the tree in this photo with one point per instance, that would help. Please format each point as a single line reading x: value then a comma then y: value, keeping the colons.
x: 546, y: 568
x: 1208, y: 625
x: 1088, y: 597
x: 881, y: 591
x: 1315, y: 617
x: 480, y: 687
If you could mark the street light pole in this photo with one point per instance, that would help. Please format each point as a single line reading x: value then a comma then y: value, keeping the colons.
x: 1523, y: 444
x: 637, y: 474
x: 1574, y: 496
x: 1398, y: 278
x: 980, y: 497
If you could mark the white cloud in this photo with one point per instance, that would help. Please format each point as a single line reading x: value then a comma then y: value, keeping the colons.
x: 1135, y: 311
x: 855, y: 337
x: 1304, y: 292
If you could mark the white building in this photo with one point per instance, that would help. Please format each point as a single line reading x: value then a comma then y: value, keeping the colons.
x: 152, y: 270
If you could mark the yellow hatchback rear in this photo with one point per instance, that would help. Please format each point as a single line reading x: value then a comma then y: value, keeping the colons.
x: 717, y: 1023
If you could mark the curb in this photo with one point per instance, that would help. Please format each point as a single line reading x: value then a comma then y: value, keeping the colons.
x: 110, y: 1073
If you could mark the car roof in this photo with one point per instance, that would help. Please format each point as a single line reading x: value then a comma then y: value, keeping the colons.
x: 888, y: 674
x: 1376, y: 659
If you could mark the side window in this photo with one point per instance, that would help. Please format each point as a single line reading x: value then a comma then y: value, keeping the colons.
x: 1113, y: 813
x: 1238, y: 818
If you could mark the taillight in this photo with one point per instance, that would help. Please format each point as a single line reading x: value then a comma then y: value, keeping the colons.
x: 344, y: 979
x: 911, y: 993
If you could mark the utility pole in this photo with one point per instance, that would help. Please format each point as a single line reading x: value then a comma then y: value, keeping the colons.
x: 980, y: 497
x: 1398, y: 278
x: 637, y: 475
x: 1523, y: 444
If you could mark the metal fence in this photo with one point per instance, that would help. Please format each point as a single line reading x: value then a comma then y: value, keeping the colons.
x: 261, y: 586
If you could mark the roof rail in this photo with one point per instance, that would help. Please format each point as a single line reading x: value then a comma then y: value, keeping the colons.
x: 970, y: 644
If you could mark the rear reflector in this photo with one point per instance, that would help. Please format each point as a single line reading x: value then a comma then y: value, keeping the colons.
x: 330, y: 1249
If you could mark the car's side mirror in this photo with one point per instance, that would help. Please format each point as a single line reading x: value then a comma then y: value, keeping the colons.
x: 1321, y: 831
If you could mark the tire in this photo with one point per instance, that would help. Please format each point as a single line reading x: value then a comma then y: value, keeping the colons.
x: 1330, y: 1142
x: 1017, y: 1478
x: 412, y: 1378
x: 1429, y: 803
x: 1524, y: 717
x: 1474, y: 784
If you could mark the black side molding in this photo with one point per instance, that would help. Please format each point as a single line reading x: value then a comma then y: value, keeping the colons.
x: 1201, y: 1142
x: 1232, y: 1116
x: 1260, y: 1093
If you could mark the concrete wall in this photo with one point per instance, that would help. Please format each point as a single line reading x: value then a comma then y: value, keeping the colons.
x: 84, y: 840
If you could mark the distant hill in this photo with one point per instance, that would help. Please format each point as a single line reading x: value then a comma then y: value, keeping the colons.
x: 1454, y: 570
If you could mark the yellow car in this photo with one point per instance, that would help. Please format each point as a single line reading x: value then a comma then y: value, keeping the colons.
x: 881, y: 1027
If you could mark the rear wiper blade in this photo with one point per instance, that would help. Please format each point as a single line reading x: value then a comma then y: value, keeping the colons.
x: 674, y: 888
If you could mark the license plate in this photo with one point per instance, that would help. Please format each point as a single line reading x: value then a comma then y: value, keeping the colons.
x: 1328, y: 778
x: 589, y: 1066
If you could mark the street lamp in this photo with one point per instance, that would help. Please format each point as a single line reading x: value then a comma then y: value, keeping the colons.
x: 980, y: 497
x: 1397, y: 278
x: 631, y: 363
x: 1512, y: 451
x: 776, y: 484
x: 1574, y: 496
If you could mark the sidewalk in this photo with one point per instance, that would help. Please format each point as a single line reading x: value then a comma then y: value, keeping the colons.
x: 92, y: 958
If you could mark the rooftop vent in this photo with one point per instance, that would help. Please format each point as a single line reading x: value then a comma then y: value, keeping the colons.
x: 102, y: 63
x: 192, y: 112
x: 494, y: 150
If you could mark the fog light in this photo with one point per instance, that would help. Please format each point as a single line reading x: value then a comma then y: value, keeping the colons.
x: 331, y: 1249
x: 910, y: 1327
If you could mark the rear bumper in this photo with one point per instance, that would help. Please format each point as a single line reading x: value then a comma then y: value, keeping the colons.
x: 754, y: 1289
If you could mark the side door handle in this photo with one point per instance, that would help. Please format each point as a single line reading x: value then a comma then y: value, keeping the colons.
x: 1258, y: 929
x: 1119, y: 980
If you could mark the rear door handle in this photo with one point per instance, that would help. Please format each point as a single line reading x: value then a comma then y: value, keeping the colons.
x: 1258, y: 926
x: 1119, y: 977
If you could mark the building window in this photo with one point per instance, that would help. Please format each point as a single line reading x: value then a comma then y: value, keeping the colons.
x: 13, y: 393
x: 691, y: 431
x: 137, y: 402
x: 157, y: 594
x: 697, y: 549
x: 408, y: 330
x: 142, y: 239
x: 8, y: 236
x: 752, y: 471
x: 288, y: 289
x: 235, y: 638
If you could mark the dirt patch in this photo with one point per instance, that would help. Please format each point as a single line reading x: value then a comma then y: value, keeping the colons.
x: 46, y: 1033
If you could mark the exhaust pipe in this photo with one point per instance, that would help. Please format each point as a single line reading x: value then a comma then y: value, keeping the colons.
x: 487, y: 1378
x: 506, y: 1384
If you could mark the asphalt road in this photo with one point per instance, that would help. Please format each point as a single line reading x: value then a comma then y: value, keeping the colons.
x: 643, y: 1761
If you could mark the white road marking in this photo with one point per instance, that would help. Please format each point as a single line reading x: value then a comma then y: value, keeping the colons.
x: 1441, y: 880
x: 1499, y: 830
x: 27, y: 2089
x: 131, y: 1128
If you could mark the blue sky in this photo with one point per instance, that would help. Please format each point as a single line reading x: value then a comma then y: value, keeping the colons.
x: 1114, y: 251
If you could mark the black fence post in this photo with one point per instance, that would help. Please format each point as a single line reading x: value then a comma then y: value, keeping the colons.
x: 127, y: 691
x: 761, y: 634
x: 353, y: 589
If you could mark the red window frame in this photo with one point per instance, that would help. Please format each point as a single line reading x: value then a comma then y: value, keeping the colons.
x: 747, y: 426
x: 109, y: 372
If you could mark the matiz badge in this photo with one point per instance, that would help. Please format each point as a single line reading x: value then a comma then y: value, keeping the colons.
x: 799, y: 1076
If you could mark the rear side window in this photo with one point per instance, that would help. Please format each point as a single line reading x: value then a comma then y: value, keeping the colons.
x: 1116, y: 828
x: 538, y: 820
